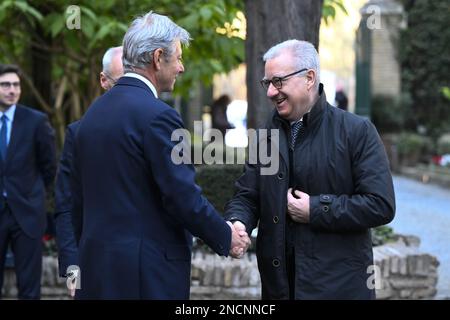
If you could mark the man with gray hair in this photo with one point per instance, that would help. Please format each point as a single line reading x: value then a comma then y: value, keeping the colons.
x: 135, y: 210
x: 65, y: 239
x: 332, y: 186
x: 112, y: 67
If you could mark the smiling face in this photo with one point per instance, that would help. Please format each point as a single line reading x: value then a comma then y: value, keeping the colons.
x: 9, y: 90
x: 293, y: 99
x: 171, y: 66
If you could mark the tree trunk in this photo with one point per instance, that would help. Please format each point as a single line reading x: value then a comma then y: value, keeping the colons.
x: 268, y: 23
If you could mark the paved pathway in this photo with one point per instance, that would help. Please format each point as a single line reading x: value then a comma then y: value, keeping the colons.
x: 424, y: 210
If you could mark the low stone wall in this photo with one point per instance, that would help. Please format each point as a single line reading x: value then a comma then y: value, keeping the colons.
x: 436, y: 175
x: 215, y: 277
x: 404, y: 272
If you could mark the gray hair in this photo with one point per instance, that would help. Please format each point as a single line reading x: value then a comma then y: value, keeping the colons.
x: 148, y: 33
x: 108, y: 57
x: 304, y: 53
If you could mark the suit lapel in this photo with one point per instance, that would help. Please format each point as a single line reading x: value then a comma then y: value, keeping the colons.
x: 16, y: 132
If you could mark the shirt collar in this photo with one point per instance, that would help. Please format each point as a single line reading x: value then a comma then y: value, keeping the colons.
x: 9, y: 113
x: 294, y: 122
x: 143, y: 79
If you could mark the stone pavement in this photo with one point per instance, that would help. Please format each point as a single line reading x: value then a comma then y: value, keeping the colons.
x: 423, y: 210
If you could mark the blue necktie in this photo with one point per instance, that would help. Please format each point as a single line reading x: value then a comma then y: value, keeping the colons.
x: 3, y: 142
x: 295, y: 130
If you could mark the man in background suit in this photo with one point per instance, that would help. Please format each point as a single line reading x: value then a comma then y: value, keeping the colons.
x: 135, y: 210
x: 65, y: 239
x: 27, y: 169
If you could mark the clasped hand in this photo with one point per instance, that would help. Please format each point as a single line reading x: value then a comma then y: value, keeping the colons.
x: 240, y: 241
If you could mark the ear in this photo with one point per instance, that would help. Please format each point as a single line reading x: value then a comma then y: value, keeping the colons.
x: 103, y: 81
x: 157, y: 57
x: 310, y: 79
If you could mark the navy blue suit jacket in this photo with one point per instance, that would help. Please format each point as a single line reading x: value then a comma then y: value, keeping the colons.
x: 65, y: 238
x: 135, y: 211
x: 29, y: 169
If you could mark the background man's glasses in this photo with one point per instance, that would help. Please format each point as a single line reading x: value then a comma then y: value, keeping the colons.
x: 7, y: 85
x: 113, y: 81
x: 278, y: 81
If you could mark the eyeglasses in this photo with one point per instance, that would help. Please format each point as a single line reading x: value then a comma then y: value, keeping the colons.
x: 7, y: 85
x: 113, y: 81
x: 278, y: 81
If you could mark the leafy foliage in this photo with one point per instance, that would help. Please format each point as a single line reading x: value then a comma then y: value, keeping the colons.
x: 382, y: 235
x: 426, y: 63
x: 443, y: 144
x: 387, y: 113
x: 410, y: 143
x: 74, y: 54
x: 217, y: 183
x: 330, y: 7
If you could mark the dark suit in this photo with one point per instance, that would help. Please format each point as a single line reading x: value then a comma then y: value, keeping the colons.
x: 134, y: 209
x: 65, y: 238
x: 28, y: 170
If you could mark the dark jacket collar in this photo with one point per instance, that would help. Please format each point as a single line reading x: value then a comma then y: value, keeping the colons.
x: 311, y: 119
x: 134, y: 82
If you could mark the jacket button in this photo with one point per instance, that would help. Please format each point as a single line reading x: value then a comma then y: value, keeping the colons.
x: 280, y: 175
x: 276, y: 263
x: 326, y: 208
x: 275, y: 219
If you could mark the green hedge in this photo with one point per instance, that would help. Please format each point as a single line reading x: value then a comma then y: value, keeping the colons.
x: 425, y: 63
x: 217, y: 182
x: 387, y: 113
x: 444, y: 144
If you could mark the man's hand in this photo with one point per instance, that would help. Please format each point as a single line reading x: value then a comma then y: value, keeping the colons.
x: 240, y: 240
x: 298, y: 209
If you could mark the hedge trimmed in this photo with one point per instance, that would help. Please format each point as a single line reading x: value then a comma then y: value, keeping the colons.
x: 217, y: 182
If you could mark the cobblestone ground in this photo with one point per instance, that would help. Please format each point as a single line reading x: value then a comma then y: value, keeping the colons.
x: 424, y: 210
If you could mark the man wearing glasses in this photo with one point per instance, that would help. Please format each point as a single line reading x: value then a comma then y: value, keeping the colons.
x: 27, y: 170
x: 332, y: 186
x: 65, y: 238
x: 112, y: 67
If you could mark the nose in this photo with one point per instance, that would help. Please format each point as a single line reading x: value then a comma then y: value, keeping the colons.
x: 181, y: 68
x: 272, y: 91
x: 12, y: 90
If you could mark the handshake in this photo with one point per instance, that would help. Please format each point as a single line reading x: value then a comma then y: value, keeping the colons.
x: 240, y: 241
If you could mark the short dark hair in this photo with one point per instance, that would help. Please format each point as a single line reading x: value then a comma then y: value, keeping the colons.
x: 9, y: 68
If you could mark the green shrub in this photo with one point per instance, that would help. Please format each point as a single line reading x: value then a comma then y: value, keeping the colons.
x: 425, y: 63
x: 410, y: 143
x: 387, y: 114
x: 217, y: 182
x: 443, y: 144
x: 382, y: 235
